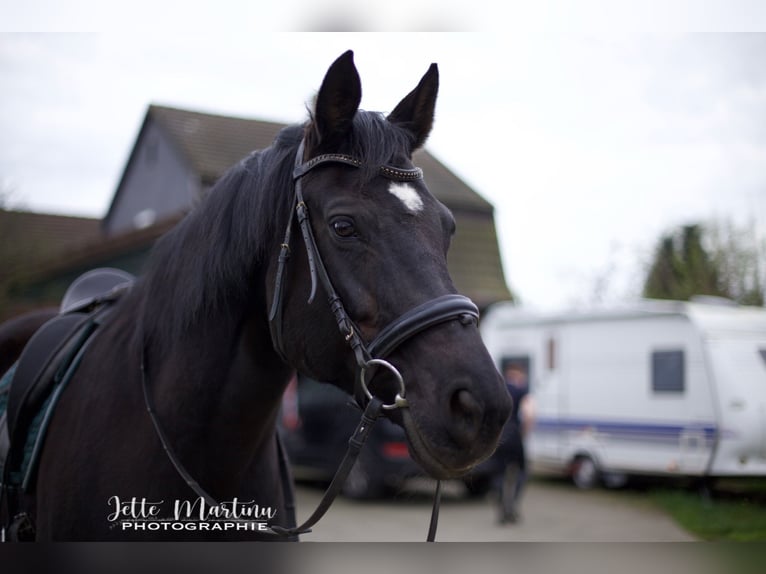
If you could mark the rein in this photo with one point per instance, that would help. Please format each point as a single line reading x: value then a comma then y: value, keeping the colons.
x: 368, y: 356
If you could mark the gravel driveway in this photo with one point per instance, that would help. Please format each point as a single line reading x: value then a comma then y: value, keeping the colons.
x: 551, y: 512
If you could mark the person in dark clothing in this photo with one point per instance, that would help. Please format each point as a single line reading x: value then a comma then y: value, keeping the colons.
x: 509, y: 484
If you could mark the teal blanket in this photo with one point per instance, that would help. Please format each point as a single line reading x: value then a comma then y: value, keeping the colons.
x: 17, y: 475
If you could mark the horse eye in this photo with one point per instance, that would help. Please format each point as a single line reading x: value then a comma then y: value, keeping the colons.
x: 344, y: 228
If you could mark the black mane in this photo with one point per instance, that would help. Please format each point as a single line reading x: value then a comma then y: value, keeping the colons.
x: 212, y: 259
x: 206, y: 262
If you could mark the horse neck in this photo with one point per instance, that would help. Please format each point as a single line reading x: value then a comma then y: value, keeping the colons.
x: 217, y: 390
x: 217, y: 381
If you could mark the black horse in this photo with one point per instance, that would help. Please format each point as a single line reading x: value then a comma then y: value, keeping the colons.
x: 195, y: 330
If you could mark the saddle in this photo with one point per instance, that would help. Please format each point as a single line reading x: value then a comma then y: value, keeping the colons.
x: 33, y: 385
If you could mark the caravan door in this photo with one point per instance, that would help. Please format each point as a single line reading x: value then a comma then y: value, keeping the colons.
x: 739, y: 370
x: 544, y: 442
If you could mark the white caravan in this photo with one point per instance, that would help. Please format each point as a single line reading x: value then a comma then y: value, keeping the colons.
x: 664, y: 388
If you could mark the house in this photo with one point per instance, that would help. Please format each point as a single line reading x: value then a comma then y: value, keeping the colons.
x: 26, y: 239
x: 178, y: 156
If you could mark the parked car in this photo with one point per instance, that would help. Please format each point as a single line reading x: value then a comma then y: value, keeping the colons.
x: 316, y: 423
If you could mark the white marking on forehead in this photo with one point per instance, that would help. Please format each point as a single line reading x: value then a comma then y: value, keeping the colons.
x: 408, y: 195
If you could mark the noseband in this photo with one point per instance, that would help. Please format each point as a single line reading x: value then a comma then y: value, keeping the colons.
x: 367, y: 355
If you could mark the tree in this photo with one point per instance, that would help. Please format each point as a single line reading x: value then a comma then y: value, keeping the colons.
x: 682, y: 267
x: 715, y: 259
x: 740, y: 256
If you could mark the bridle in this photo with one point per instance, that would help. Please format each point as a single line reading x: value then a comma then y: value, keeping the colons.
x: 368, y: 356
x: 435, y: 311
x: 373, y: 354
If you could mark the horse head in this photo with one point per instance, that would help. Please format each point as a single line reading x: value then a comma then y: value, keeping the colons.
x: 380, y: 240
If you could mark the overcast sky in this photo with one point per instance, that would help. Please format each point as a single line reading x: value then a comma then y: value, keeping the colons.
x: 589, y: 145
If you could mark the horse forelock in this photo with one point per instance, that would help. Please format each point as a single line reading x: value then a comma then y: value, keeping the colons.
x: 372, y: 139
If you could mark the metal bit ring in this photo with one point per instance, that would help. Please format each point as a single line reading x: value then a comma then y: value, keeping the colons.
x: 399, y: 400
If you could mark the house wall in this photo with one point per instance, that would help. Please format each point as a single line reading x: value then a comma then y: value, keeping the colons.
x: 157, y: 184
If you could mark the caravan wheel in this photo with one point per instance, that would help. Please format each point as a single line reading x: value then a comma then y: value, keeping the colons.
x: 585, y: 473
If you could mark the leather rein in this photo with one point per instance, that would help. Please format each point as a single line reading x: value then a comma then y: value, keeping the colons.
x: 368, y: 356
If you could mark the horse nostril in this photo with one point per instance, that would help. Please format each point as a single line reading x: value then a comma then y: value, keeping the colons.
x: 467, y: 415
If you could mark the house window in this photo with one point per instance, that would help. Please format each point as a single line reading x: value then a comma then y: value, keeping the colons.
x: 144, y: 218
x: 668, y: 372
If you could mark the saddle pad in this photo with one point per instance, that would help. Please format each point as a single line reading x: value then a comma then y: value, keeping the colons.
x: 33, y: 437
x: 5, y: 386
x: 38, y: 367
x: 40, y: 375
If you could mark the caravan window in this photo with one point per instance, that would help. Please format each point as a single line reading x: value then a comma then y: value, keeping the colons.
x: 551, y: 354
x: 668, y: 371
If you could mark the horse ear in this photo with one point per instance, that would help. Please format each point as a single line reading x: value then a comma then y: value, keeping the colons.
x: 416, y: 111
x: 338, y: 99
